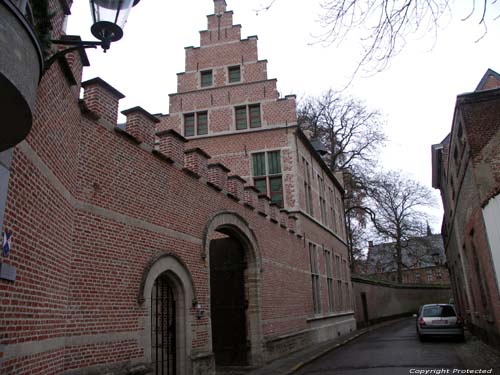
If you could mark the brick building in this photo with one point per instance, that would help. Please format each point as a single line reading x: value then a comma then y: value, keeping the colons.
x: 423, y: 261
x: 139, y: 248
x: 466, y: 170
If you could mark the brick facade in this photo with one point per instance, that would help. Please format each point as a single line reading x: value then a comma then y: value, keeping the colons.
x: 99, y: 214
x: 466, y: 170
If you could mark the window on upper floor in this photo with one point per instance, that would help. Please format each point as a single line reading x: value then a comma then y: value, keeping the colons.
x: 307, y: 187
x: 234, y: 74
x: 322, y: 200
x: 247, y: 114
x: 206, y: 78
x: 267, y: 177
x: 195, y: 124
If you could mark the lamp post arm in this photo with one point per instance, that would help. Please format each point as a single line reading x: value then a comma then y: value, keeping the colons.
x: 75, y: 45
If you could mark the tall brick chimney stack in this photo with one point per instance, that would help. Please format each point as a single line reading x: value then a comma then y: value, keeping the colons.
x: 219, y: 6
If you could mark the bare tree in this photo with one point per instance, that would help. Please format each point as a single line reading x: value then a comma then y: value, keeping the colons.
x: 384, y: 26
x: 351, y: 132
x: 397, y: 206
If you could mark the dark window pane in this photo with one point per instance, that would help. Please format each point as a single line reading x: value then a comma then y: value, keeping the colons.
x: 276, y: 185
x: 202, y: 123
x: 259, y: 164
x: 234, y: 74
x: 254, y: 116
x: 189, y: 125
x: 260, y: 185
x: 206, y: 78
x: 274, y: 162
x: 241, y: 118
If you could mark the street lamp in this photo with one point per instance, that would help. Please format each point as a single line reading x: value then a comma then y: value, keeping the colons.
x: 109, y: 17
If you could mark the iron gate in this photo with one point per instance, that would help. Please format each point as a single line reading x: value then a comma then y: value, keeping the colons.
x: 163, y: 353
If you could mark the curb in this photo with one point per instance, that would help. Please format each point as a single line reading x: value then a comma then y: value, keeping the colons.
x: 338, y: 345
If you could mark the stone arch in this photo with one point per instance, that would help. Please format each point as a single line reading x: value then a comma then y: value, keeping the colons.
x: 233, y: 224
x: 179, y: 277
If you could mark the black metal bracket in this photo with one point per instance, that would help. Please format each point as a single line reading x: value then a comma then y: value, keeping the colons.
x: 75, y: 46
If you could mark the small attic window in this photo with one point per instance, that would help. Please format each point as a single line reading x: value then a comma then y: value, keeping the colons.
x: 206, y: 78
x: 234, y: 73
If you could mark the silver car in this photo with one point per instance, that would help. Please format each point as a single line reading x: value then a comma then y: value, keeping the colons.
x: 439, y: 320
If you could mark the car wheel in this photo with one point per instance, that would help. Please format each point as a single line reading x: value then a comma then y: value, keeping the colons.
x: 421, y: 338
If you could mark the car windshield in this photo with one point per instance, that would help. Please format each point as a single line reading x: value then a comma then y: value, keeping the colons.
x: 438, y: 311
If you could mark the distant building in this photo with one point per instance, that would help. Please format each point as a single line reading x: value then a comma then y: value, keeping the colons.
x: 424, y: 261
x: 466, y: 169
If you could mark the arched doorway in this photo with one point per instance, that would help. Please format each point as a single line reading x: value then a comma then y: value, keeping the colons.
x: 235, y: 265
x: 228, y: 303
x: 167, y: 292
x: 163, y: 327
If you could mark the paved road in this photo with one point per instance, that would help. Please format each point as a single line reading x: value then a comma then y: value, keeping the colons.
x: 394, y: 349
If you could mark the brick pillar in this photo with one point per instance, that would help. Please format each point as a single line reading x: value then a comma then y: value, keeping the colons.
x: 235, y: 186
x: 141, y: 125
x: 251, y: 196
x: 273, y: 212
x: 263, y: 207
x: 172, y: 145
x: 196, y: 161
x: 284, y: 218
x: 292, y: 223
x: 217, y: 175
x: 102, y: 99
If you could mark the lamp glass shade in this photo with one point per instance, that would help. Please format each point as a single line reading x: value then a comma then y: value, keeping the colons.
x: 109, y: 18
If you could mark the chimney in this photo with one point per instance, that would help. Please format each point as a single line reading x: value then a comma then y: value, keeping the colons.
x: 219, y: 6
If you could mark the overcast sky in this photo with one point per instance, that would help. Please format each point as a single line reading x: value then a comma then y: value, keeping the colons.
x: 416, y: 93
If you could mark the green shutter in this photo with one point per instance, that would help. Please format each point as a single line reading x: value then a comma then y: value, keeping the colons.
x: 276, y: 185
x: 234, y: 74
x: 260, y: 185
x: 254, y: 116
x: 189, y: 125
x: 206, y: 78
x: 241, y: 118
x: 259, y: 164
x: 202, y: 123
x: 274, y: 162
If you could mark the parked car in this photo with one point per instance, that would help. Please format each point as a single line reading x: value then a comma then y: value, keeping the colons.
x: 439, y: 320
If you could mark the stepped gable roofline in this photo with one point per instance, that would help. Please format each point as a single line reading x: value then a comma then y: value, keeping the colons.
x: 489, y: 73
x: 103, y: 83
x: 217, y: 14
x: 235, y: 41
x: 218, y: 87
x: 222, y: 28
x: 318, y: 158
